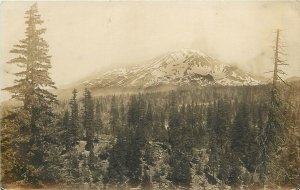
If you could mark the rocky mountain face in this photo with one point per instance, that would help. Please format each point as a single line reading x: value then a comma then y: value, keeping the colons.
x: 185, y: 67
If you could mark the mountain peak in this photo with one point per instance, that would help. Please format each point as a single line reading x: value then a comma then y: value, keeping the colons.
x: 182, y: 67
x: 181, y: 55
x: 186, y: 52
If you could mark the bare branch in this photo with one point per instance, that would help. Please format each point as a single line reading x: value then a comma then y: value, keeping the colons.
x: 283, y: 81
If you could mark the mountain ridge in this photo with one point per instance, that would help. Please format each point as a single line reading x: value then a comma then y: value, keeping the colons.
x: 183, y: 67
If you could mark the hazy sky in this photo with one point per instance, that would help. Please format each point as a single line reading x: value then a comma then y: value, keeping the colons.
x: 87, y: 37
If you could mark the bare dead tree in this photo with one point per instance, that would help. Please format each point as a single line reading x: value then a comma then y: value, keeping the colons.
x: 274, y: 134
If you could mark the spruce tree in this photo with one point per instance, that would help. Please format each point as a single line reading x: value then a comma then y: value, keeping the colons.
x: 214, y: 157
x: 31, y: 87
x: 187, y: 131
x: 273, y: 137
x: 174, y: 127
x: 98, y: 120
x: 88, y: 119
x: 180, y: 141
x: 140, y: 131
x: 222, y: 124
x: 149, y: 122
x: 74, y: 120
x: 218, y: 121
x: 114, y: 116
x: 180, y: 173
x: 132, y: 116
x: 243, y: 137
x: 66, y: 129
x: 117, y: 169
x: 133, y: 160
x: 34, y: 62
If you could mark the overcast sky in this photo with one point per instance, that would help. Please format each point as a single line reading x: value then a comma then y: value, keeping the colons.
x: 87, y: 37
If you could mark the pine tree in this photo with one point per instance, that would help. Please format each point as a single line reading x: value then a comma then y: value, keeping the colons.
x: 292, y: 154
x: 132, y: 116
x: 222, y: 125
x: 187, y: 131
x: 160, y: 132
x: 92, y: 160
x: 200, y: 133
x: 74, y: 120
x: 180, y: 173
x: 122, y: 114
x: 137, y: 138
x: 243, y: 137
x: 218, y: 121
x: 71, y: 135
x: 230, y: 168
x: 88, y: 119
x: 13, y: 148
x: 31, y: 88
x: 74, y: 165
x: 274, y: 134
x: 98, y: 120
x: 174, y: 128
x: 66, y: 129
x: 133, y: 161
x: 34, y: 61
x: 140, y: 131
x: 149, y: 122
x: 114, y: 116
x: 214, y: 157
x: 180, y: 140
x: 117, y: 170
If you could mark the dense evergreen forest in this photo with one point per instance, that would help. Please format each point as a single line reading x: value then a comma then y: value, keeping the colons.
x: 213, y: 137
x: 197, y: 138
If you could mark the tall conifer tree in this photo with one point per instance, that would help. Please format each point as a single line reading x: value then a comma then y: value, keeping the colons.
x: 88, y: 119
x: 31, y: 87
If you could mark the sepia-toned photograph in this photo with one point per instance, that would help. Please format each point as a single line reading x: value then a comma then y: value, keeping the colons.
x: 150, y: 95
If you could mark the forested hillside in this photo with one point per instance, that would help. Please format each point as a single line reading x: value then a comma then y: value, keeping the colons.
x: 208, y: 137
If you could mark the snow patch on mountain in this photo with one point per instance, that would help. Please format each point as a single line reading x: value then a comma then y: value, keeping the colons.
x: 185, y: 67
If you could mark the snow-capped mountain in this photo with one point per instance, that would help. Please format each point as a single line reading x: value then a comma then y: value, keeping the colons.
x: 185, y: 67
